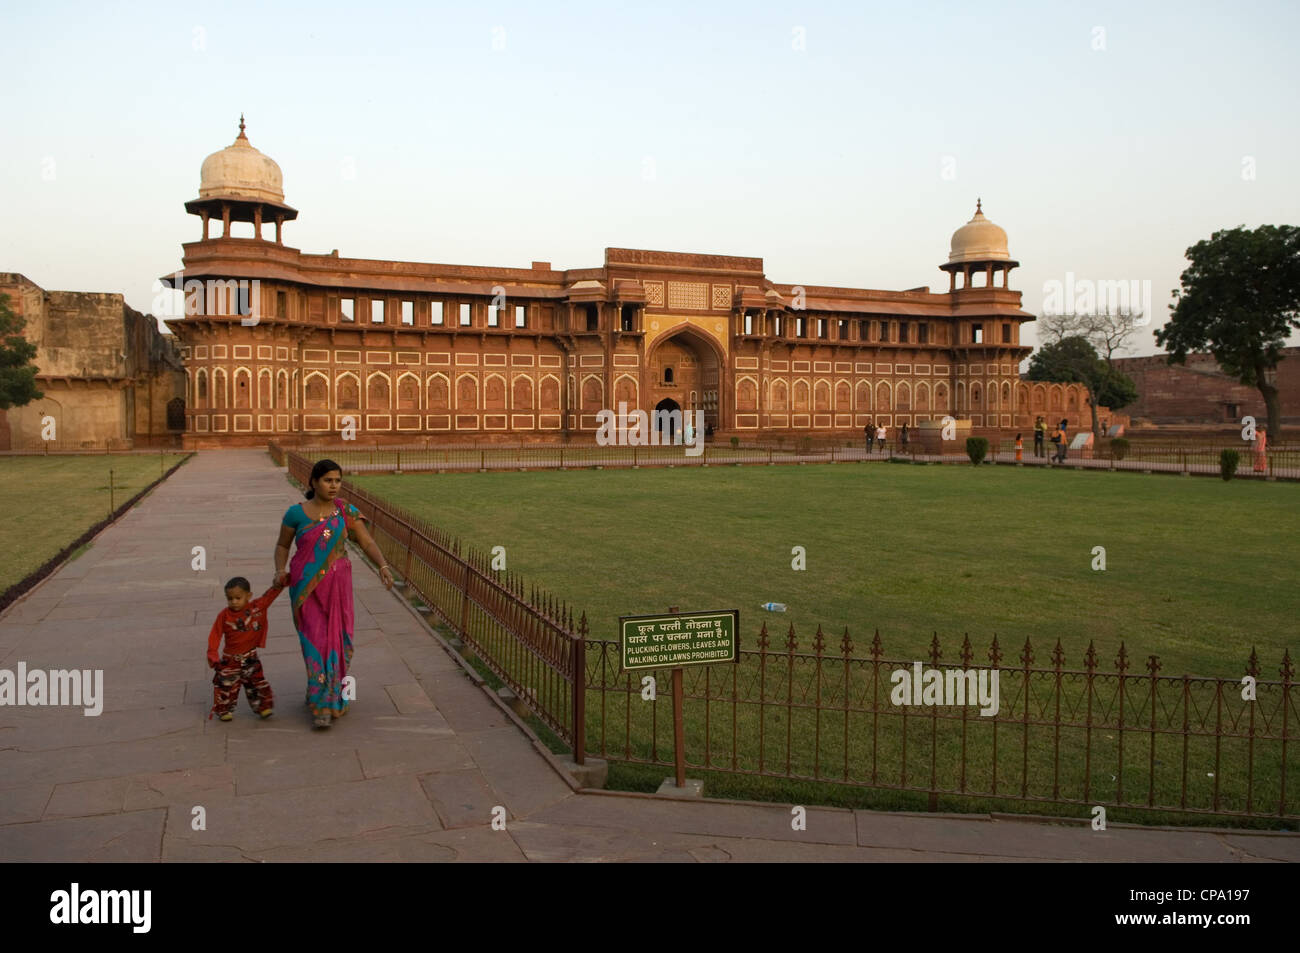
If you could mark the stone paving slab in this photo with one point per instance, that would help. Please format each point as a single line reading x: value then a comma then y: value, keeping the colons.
x: 412, y: 774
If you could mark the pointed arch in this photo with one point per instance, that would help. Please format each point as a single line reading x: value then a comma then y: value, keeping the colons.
x: 438, y: 392
x: 521, y: 392
x: 348, y: 388
x: 494, y: 392
x: 408, y: 391
x: 467, y: 392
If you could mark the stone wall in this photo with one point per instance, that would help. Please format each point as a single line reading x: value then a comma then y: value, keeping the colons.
x: 106, y: 370
x: 1200, y: 393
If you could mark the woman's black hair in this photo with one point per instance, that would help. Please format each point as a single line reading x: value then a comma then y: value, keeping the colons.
x: 321, y: 468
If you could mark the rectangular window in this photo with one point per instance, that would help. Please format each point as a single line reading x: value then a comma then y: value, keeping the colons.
x: 977, y: 333
x: 348, y: 309
x: 377, y: 311
x: 799, y: 329
x: 593, y: 317
x: 1006, y: 334
x: 408, y: 312
x: 521, y: 316
x: 435, y: 312
x: 903, y: 329
x: 281, y: 304
x: 821, y: 327
x: 864, y: 330
x: 778, y: 325
x: 843, y: 332
x: 494, y: 316
x: 749, y: 322
x: 923, y: 333
x: 464, y: 316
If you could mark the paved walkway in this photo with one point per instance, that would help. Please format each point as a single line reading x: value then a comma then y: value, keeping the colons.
x: 415, y: 770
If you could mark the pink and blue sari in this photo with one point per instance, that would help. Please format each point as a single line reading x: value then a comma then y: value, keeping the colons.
x: 320, y: 591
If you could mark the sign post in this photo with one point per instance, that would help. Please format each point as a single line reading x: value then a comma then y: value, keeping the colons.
x: 697, y: 638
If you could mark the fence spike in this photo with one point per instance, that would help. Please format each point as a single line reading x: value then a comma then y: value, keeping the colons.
x: 1153, y: 664
x: 819, y: 643
x: 1090, y: 658
x: 762, y: 638
x: 791, y: 643
x: 1121, y: 661
x: 846, y: 644
x: 877, y: 648
x: 1027, y: 654
x: 1252, y: 664
x: 1058, y: 655
x: 967, y: 653
x: 1287, y: 671
x: 936, y: 652
x: 995, y: 651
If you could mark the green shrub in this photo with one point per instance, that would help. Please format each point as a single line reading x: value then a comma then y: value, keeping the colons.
x: 977, y: 448
x: 1119, y: 448
x: 735, y: 442
x: 1228, y: 460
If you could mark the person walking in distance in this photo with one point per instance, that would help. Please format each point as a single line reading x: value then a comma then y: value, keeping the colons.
x: 1040, y: 431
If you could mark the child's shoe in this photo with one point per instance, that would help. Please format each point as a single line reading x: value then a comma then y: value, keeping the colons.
x: 227, y: 717
x: 321, y: 721
x: 266, y: 712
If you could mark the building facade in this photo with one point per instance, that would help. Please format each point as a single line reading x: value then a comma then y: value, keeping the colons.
x: 281, y: 344
x: 111, y: 378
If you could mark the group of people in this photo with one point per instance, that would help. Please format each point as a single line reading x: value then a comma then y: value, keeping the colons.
x: 878, y: 433
x: 1060, y: 439
x: 319, y: 580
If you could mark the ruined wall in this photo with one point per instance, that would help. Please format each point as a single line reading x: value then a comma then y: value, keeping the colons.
x: 1199, y: 392
x: 106, y: 370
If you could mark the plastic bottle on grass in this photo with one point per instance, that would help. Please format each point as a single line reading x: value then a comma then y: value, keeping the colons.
x: 773, y: 606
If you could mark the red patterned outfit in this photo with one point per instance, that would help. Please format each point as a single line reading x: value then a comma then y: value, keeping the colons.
x: 245, y: 633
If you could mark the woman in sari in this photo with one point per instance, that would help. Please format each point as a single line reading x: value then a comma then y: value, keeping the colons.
x: 1261, y: 445
x: 320, y: 585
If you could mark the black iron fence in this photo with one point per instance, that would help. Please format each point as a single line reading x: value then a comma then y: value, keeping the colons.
x: 1121, y: 735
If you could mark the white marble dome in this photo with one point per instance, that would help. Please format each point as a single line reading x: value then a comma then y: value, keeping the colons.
x: 978, y: 240
x: 240, y: 170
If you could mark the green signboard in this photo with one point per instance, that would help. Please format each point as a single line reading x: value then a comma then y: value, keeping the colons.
x: 673, y: 640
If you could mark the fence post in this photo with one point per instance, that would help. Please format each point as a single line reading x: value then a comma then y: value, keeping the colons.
x: 399, y: 461
x: 580, y: 693
x: 406, y: 570
x: 464, y: 599
x: 111, y: 507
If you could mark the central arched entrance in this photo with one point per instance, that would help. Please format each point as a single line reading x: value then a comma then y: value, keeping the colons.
x: 664, y: 422
x: 685, y: 370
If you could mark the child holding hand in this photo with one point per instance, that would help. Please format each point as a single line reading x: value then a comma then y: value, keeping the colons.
x: 243, y: 625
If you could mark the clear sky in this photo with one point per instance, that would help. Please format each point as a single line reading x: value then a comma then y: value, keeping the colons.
x: 841, y: 143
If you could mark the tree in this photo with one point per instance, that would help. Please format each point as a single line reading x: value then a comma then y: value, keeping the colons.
x: 1074, y: 359
x: 1240, y: 300
x: 17, y: 375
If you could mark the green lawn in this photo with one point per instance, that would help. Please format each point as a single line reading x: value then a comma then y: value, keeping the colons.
x: 54, y: 499
x: 1197, y: 572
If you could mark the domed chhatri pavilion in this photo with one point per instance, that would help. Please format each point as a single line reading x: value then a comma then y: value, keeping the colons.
x: 286, y: 345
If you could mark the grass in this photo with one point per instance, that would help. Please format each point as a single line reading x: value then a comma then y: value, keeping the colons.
x: 1197, y: 572
x: 53, y: 500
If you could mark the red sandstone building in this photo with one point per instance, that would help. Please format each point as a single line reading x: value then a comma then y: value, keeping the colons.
x: 411, y: 351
